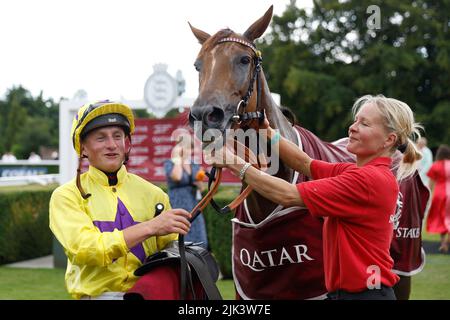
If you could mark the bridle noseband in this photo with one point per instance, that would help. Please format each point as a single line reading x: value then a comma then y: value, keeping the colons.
x: 240, y: 115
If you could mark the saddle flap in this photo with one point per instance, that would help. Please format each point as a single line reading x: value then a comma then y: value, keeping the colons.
x: 197, y: 257
x: 204, y: 258
x: 157, y: 259
x: 199, y: 260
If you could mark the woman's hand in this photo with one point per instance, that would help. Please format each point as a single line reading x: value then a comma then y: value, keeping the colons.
x: 265, y: 124
x: 221, y: 158
x: 270, y: 131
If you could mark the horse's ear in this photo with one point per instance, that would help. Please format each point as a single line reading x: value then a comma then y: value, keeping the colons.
x: 202, y: 36
x: 257, y: 29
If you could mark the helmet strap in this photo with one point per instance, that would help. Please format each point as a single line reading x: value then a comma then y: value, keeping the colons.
x: 127, y: 154
x: 80, y: 188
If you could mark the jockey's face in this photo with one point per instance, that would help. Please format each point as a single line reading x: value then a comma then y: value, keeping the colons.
x: 105, y: 148
x: 368, y: 136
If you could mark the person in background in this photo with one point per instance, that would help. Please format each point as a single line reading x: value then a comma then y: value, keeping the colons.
x: 105, y: 218
x: 185, y: 183
x: 9, y: 157
x: 426, y: 161
x: 54, y: 155
x: 34, y: 157
x: 438, y: 220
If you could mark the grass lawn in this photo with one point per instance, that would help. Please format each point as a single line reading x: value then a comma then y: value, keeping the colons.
x: 433, y: 283
x: 434, y: 280
x: 29, y: 187
x: 48, y: 284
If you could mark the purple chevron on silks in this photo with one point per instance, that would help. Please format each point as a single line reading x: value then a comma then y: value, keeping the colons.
x: 123, y: 220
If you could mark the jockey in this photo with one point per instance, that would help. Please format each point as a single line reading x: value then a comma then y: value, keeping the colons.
x: 105, y: 218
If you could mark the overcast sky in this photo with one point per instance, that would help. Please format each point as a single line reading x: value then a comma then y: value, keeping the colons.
x: 108, y: 48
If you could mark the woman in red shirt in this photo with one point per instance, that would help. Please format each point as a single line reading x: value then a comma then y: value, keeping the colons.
x: 358, y: 201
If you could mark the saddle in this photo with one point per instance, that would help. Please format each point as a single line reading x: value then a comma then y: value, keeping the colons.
x: 160, y: 275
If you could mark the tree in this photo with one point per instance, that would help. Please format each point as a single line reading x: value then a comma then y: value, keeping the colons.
x: 321, y: 61
x: 27, y: 122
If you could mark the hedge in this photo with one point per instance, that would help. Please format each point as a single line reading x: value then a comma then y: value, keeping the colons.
x: 24, y: 231
x: 219, y: 230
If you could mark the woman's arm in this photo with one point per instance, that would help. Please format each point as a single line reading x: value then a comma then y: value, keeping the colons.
x: 272, y: 188
x: 290, y: 153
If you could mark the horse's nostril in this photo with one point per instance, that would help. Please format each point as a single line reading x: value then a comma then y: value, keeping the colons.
x: 216, y: 116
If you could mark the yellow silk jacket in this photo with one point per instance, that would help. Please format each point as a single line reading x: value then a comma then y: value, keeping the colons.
x: 90, y: 230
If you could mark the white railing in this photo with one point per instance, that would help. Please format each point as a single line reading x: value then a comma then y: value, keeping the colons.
x: 42, y: 179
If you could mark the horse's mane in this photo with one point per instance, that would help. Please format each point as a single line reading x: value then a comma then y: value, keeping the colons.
x: 292, y: 118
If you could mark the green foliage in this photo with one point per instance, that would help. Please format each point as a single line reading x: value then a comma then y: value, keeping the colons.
x: 24, y: 231
x: 142, y: 113
x: 26, y: 123
x: 322, y: 60
x: 219, y: 230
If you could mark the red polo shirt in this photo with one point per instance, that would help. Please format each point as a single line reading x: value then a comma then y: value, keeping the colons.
x: 357, y: 203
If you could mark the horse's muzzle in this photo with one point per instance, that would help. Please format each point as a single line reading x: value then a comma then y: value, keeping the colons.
x: 211, y: 117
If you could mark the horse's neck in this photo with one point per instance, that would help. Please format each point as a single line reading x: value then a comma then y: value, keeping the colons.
x: 276, y: 118
x: 260, y: 207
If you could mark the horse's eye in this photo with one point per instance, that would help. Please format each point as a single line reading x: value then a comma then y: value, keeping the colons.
x: 245, y: 60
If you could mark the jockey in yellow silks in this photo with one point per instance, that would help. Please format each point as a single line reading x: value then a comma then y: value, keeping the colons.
x: 105, y: 218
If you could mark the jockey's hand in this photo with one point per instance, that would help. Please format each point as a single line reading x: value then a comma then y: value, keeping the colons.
x: 171, y: 221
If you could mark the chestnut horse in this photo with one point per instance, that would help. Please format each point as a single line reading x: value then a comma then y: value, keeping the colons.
x: 277, y: 252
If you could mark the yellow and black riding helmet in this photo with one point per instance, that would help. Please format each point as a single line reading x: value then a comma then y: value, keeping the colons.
x: 97, y: 115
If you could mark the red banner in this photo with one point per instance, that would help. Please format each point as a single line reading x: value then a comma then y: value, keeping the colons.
x: 153, y: 142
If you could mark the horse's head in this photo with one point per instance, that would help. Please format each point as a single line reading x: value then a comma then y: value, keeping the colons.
x: 227, y: 64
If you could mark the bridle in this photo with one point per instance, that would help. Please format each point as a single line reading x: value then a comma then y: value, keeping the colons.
x: 239, y: 117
